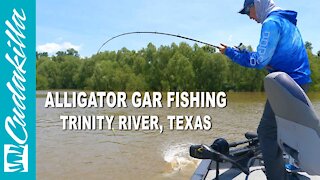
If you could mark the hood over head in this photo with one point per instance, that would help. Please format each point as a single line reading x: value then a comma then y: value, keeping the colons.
x: 264, y: 8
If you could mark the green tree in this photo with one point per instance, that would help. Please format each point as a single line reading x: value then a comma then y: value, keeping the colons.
x: 102, y: 78
x: 315, y: 69
x: 42, y: 82
x: 72, y: 52
x: 69, y: 67
x: 200, y: 55
x: 308, y: 45
x: 180, y: 73
x: 48, y: 72
x: 136, y: 83
x: 83, y: 77
x: 41, y: 54
x: 175, y: 67
x: 213, y: 73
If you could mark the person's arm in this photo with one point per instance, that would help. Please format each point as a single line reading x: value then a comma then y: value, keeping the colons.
x: 269, y: 38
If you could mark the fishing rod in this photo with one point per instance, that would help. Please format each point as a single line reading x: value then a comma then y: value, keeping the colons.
x: 158, y: 33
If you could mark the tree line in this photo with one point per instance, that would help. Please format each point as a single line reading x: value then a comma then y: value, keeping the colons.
x: 168, y: 68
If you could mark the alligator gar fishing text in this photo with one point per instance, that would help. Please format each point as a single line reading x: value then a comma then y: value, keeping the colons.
x: 137, y: 100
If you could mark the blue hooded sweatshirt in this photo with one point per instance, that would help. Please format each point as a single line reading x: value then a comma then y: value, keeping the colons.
x: 281, y: 48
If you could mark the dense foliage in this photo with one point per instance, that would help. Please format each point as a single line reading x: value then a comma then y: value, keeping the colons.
x: 167, y: 68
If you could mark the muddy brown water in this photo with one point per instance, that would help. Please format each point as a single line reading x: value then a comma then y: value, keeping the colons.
x: 115, y: 154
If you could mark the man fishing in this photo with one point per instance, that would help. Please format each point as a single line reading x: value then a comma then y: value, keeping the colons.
x: 280, y: 48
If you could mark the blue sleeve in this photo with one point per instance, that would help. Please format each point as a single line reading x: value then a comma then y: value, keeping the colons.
x: 269, y: 38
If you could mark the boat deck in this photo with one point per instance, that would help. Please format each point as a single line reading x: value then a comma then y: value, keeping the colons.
x: 206, y: 171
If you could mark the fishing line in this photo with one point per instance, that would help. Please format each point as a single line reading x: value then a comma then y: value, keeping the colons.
x: 158, y: 33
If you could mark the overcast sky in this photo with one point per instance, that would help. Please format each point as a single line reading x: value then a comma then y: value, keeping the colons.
x: 84, y: 25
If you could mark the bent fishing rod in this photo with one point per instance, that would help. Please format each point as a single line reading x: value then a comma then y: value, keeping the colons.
x: 157, y: 33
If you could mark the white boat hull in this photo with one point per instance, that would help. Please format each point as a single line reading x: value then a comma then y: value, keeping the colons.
x: 206, y: 171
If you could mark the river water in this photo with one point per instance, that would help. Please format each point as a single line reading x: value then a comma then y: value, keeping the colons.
x: 115, y: 154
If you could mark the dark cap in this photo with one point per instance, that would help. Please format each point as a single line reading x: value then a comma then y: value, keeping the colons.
x: 246, y: 4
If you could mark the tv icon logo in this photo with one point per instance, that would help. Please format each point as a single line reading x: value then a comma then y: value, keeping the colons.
x: 15, y: 158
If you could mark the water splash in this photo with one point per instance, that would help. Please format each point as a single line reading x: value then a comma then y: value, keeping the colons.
x: 178, y: 158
